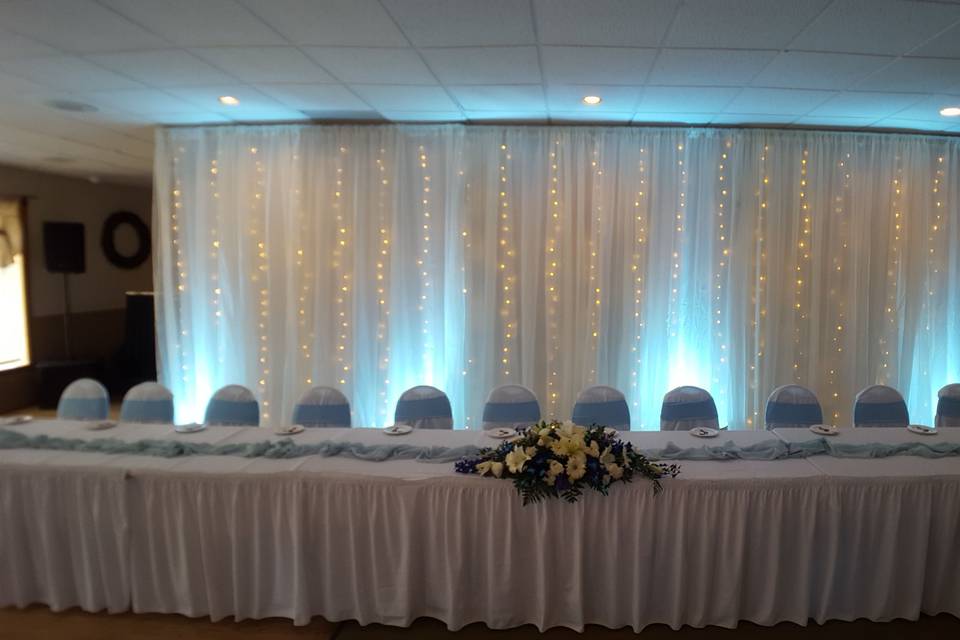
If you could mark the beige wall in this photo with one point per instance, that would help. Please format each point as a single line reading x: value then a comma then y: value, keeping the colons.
x: 97, y: 296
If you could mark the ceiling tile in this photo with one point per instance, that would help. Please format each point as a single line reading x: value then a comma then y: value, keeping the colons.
x: 833, y: 121
x: 891, y: 27
x: 865, y: 104
x: 439, y: 23
x: 162, y: 68
x: 914, y: 125
x: 15, y: 86
x: 946, y: 45
x: 777, y: 101
x: 750, y: 119
x: 741, y: 24
x: 928, y: 109
x: 494, y: 65
x: 659, y: 118
x: 314, y: 97
x: 508, y: 116
x: 191, y: 23
x: 67, y: 74
x: 604, y: 117
x: 75, y: 26
x: 514, y: 98
x: 631, y: 23
x: 686, y: 99
x: 358, y: 23
x: 142, y: 102
x: 254, y: 105
x: 406, y: 98
x: 265, y: 64
x: 570, y: 98
x: 423, y: 116
x: 708, y: 67
x: 373, y: 66
x: 600, y: 65
x: 13, y: 45
x: 923, y: 75
x: 809, y: 70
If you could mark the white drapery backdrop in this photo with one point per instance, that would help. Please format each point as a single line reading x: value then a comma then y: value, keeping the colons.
x: 375, y: 258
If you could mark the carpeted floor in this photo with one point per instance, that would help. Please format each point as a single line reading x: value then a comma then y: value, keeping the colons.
x: 39, y: 623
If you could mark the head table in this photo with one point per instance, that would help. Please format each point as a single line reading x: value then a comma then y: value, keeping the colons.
x: 819, y: 537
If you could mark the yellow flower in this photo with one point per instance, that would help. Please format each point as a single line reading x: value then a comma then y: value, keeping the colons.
x: 615, y: 471
x: 593, y: 450
x: 577, y: 466
x: 555, y: 469
x: 607, y: 458
x: 483, y: 468
x: 497, y: 468
x: 516, y: 459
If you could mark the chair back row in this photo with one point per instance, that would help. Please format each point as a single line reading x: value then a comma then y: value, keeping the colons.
x: 511, y: 406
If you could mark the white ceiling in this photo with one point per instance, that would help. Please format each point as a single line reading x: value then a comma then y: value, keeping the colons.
x: 889, y: 64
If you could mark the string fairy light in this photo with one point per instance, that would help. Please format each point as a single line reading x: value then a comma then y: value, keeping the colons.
x: 507, y: 266
x: 552, y: 268
x: 640, y: 205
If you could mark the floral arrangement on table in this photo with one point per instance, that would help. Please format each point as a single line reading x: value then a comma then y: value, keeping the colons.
x: 554, y: 460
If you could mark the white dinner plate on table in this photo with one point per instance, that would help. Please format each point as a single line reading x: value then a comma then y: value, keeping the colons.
x: 501, y: 433
x: 704, y: 432
x: 189, y: 428
x: 289, y: 430
x: 398, y: 430
x: 922, y: 429
x: 99, y: 425
x: 824, y: 429
x: 10, y: 421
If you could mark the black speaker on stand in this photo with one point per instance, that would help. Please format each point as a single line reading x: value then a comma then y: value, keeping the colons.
x: 63, y: 252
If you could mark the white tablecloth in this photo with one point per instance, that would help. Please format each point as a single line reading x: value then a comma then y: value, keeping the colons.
x: 389, y: 542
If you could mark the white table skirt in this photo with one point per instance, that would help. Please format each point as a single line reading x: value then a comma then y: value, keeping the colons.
x: 393, y: 541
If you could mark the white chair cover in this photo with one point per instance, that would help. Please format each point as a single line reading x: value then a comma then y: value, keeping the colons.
x: 322, y: 407
x: 792, y: 406
x: 84, y: 399
x: 686, y: 408
x: 233, y: 405
x: 601, y: 405
x: 880, y: 406
x: 948, y: 406
x: 511, y: 406
x: 424, y: 407
x: 148, y: 402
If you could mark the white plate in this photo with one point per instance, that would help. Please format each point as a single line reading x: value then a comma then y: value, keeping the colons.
x: 289, y: 430
x: 704, y: 432
x: 501, y: 433
x: 824, y: 429
x: 922, y: 429
x: 99, y: 425
x: 189, y: 428
x: 9, y: 421
x: 398, y: 430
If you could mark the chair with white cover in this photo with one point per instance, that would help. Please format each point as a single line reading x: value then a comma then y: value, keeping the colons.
x: 84, y: 399
x: 233, y: 405
x: 603, y: 406
x: 880, y: 406
x: 148, y: 402
x: 948, y: 406
x: 511, y: 406
x: 686, y: 408
x: 322, y: 407
x: 792, y: 406
x: 424, y: 407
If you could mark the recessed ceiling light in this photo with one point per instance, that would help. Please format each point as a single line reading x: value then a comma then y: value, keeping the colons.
x: 229, y: 101
x: 71, y: 105
x: 592, y: 100
x: 950, y: 111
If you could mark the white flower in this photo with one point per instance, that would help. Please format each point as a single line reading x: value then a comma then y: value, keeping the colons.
x: 497, y: 468
x: 607, y: 458
x: 615, y: 471
x: 555, y: 469
x: 516, y: 459
x: 483, y: 468
x: 593, y: 450
x: 577, y: 466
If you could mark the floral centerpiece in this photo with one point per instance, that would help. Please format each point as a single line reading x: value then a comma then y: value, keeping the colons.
x: 554, y: 460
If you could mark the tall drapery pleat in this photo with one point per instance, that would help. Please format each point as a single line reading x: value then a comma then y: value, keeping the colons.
x: 376, y: 258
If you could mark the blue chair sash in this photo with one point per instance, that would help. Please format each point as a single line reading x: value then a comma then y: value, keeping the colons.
x: 419, y: 408
x: 83, y: 408
x: 789, y: 413
x: 246, y: 412
x: 147, y: 410
x: 308, y: 414
x: 702, y: 409
x: 512, y: 411
x: 607, y: 413
x: 948, y: 407
x: 881, y: 413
